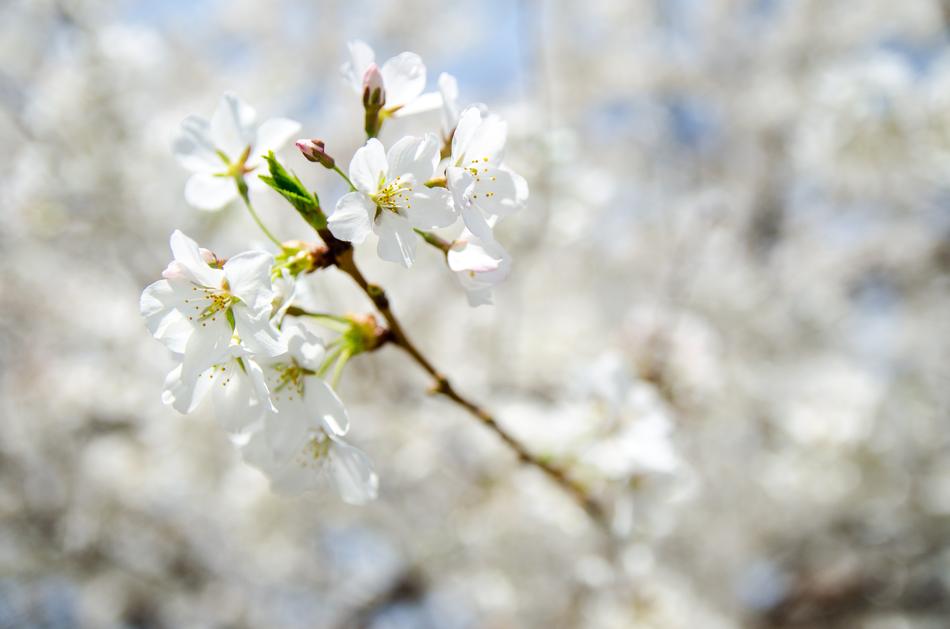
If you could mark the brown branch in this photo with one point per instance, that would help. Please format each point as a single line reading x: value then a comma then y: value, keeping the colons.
x: 343, y: 258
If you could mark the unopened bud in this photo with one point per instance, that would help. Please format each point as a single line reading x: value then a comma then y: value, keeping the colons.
x: 315, y: 151
x: 374, y: 95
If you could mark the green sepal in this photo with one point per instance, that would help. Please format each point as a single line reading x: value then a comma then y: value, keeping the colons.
x: 291, y: 188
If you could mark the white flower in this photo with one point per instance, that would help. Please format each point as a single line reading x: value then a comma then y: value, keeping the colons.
x: 481, y: 187
x: 198, y: 308
x: 403, y: 77
x: 391, y: 197
x: 239, y: 391
x: 319, y: 455
x: 300, y: 440
x: 479, y: 265
x: 230, y: 145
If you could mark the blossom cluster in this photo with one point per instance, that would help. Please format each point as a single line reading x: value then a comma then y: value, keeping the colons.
x: 231, y: 323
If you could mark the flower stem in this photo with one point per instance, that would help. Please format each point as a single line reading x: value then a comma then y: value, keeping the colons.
x: 439, y: 243
x: 338, y: 368
x: 345, y: 178
x: 242, y: 189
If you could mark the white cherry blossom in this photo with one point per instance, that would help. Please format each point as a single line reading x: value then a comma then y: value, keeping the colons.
x: 230, y: 145
x: 300, y: 440
x: 481, y: 186
x: 391, y: 198
x: 403, y: 79
x: 198, y: 309
x: 479, y: 264
x: 320, y: 456
x: 238, y: 389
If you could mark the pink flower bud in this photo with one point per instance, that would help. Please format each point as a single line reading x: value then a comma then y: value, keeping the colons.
x: 314, y: 150
x: 374, y: 94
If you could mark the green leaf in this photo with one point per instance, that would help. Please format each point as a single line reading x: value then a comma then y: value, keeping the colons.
x: 291, y: 188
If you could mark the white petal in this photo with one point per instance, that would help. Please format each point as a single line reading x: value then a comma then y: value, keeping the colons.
x: 304, y: 346
x: 413, y: 156
x: 352, y: 219
x: 240, y: 397
x: 187, y: 253
x: 430, y: 208
x: 207, y: 346
x: 209, y: 192
x: 478, y: 295
x: 324, y: 403
x: 361, y: 56
x: 163, y: 318
x: 397, y: 241
x: 498, y: 191
x: 193, y: 147
x: 184, y: 395
x: 286, y: 431
x: 488, y: 141
x: 430, y: 101
x: 257, y: 333
x: 248, y: 276
x: 232, y: 126
x: 475, y: 221
x: 474, y: 254
x: 449, y: 90
x: 271, y: 136
x: 404, y: 77
x: 469, y: 121
x: 368, y: 166
x: 352, y: 473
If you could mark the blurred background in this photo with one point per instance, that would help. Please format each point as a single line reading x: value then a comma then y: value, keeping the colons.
x: 728, y: 313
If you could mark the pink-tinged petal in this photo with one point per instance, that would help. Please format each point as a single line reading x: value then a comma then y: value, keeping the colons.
x: 352, y: 219
x: 248, y: 276
x: 206, y: 191
x: 232, y: 126
x: 352, y: 473
x: 405, y: 77
x: 369, y: 166
x: 397, y: 241
x: 324, y: 403
x: 361, y: 56
x: 193, y: 147
x: 188, y: 255
x: 430, y: 208
x: 413, y: 156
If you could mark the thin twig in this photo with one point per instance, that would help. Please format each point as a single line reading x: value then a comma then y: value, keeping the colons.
x: 345, y: 262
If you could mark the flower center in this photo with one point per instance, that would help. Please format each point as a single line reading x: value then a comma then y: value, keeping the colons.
x: 319, y: 445
x: 393, y: 197
x: 315, y: 450
x: 238, y: 168
x: 290, y: 377
x: 208, y: 302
